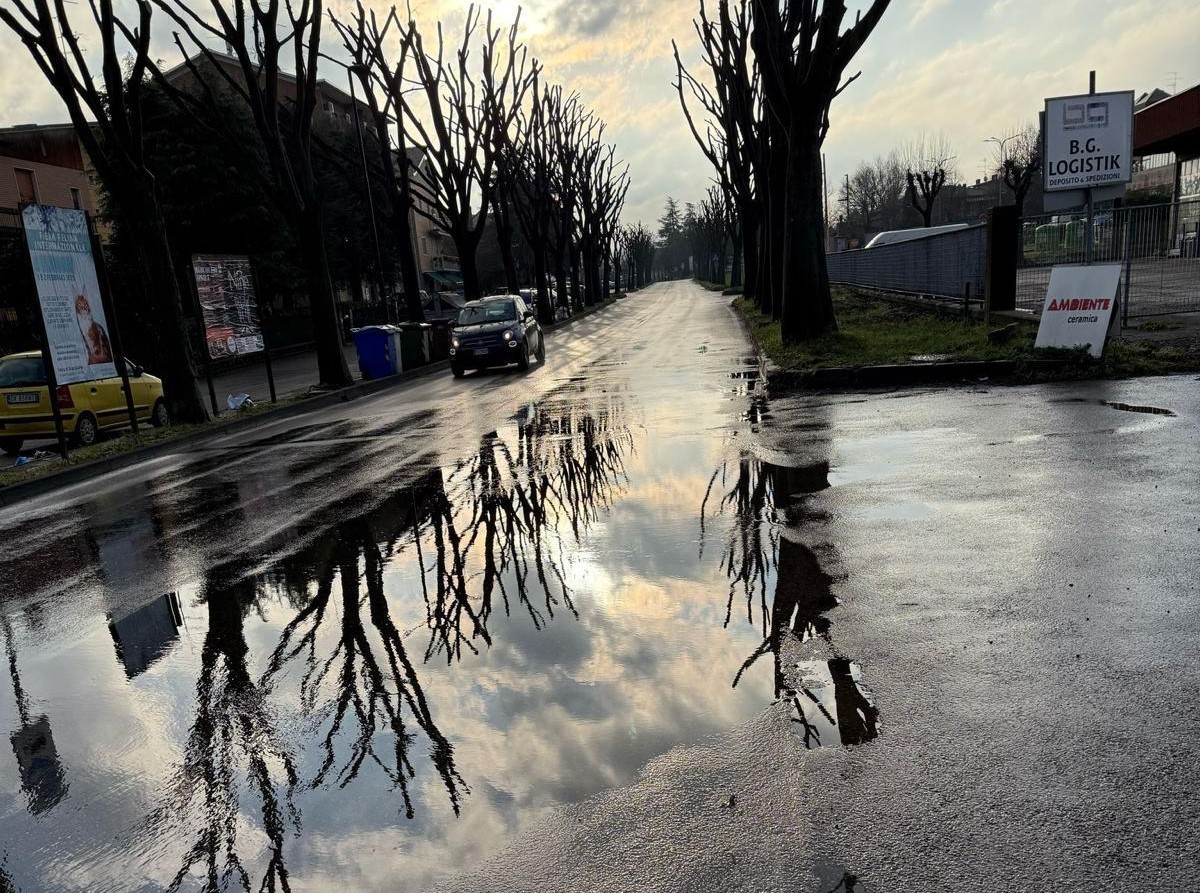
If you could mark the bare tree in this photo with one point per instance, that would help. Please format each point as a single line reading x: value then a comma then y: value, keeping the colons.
x: 262, y: 39
x: 105, y: 109
x: 802, y: 54
x: 1019, y: 161
x: 462, y: 123
x: 929, y: 161
x: 382, y: 80
x: 731, y: 140
x: 532, y: 155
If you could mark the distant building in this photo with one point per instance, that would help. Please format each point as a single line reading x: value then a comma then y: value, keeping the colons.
x: 45, y: 164
x: 437, y: 258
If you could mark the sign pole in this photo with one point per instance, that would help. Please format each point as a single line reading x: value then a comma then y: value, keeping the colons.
x: 47, y: 360
x: 114, y: 327
x: 266, y: 347
x: 1089, y: 240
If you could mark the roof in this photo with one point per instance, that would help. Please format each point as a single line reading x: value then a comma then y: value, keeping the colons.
x: 23, y: 355
x: 1170, y: 125
x: 323, y: 86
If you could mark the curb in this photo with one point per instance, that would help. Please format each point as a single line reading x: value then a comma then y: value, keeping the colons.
x: 18, y: 492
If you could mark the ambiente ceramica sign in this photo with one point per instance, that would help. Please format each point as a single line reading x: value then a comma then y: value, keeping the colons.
x: 1089, y: 141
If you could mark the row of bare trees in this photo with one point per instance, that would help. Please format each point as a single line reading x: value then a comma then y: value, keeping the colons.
x: 493, y: 138
x: 760, y: 113
x: 917, y: 184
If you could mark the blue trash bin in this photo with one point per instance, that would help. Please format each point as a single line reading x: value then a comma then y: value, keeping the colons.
x: 376, y: 357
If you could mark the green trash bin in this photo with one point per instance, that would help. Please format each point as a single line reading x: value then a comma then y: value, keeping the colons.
x: 414, y: 344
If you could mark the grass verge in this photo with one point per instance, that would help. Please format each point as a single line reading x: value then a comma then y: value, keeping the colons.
x: 873, y: 331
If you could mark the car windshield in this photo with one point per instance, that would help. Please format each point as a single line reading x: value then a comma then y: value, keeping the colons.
x: 492, y: 311
x: 19, y: 372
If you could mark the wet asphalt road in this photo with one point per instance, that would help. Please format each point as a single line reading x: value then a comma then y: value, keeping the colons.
x: 622, y: 622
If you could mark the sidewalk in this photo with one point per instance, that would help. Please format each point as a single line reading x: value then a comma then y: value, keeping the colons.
x: 294, y: 374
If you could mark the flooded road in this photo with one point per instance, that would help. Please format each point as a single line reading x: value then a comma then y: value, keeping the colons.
x: 627, y: 621
x: 380, y: 641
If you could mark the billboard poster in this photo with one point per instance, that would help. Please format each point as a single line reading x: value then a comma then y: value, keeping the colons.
x: 1089, y: 141
x: 225, y: 287
x: 60, y: 249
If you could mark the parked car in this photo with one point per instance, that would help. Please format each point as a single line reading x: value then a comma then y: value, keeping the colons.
x: 88, y: 407
x: 495, y: 331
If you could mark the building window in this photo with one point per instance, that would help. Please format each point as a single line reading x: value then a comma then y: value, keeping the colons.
x: 26, y: 186
x: 76, y: 199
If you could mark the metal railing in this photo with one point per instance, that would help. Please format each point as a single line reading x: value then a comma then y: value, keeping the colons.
x: 944, y: 265
x: 1158, y: 247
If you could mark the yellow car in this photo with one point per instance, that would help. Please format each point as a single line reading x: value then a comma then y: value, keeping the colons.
x: 87, y: 408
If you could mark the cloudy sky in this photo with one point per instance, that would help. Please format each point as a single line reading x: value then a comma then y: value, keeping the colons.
x: 967, y: 68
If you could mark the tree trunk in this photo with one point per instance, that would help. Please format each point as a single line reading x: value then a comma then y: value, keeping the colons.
x: 604, y: 291
x: 545, y: 306
x: 775, y: 223
x: 560, y: 279
x: 504, y: 235
x: 466, y: 243
x: 576, y: 285
x: 331, y: 361
x: 807, y: 310
x: 410, y: 276
x: 750, y: 258
x: 172, y: 337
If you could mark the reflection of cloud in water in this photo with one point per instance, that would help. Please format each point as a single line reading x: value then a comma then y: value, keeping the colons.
x: 461, y: 638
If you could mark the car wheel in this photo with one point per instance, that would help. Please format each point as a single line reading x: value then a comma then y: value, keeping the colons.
x: 161, y: 417
x: 458, y: 371
x: 11, y: 445
x: 541, y: 351
x: 86, y: 431
x: 523, y: 358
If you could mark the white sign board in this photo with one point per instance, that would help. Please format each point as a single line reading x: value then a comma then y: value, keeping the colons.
x: 64, y: 271
x: 1079, y: 307
x: 1089, y: 141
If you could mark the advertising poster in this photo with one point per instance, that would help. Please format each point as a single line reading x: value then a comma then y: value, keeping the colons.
x: 225, y: 286
x: 1079, y: 306
x: 60, y: 249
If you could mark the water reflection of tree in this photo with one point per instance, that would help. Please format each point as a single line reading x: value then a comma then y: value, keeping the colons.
x: 233, y: 737
x: 375, y: 688
x: 501, y: 525
x: 769, y: 504
x: 489, y: 533
x: 486, y: 533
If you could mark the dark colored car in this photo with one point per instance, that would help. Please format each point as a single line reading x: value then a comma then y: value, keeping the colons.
x: 495, y: 331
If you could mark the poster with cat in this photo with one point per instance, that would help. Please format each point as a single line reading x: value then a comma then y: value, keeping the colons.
x: 64, y: 270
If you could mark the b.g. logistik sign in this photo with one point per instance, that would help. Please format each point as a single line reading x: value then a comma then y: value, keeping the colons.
x: 1089, y: 141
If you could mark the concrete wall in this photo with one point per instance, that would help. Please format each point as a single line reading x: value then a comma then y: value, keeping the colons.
x: 937, y: 265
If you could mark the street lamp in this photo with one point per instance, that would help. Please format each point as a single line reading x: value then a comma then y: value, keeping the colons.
x: 384, y: 292
x: 1003, y: 157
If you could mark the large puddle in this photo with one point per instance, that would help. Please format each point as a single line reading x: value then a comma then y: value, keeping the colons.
x: 377, y: 688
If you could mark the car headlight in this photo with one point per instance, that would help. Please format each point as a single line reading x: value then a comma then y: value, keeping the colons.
x: 508, y: 336
x: 454, y: 342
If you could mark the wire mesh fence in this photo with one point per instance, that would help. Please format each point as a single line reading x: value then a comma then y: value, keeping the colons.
x: 1157, y: 246
x: 943, y: 265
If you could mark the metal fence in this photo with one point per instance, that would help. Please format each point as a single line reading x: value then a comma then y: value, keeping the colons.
x: 1158, y: 246
x: 943, y: 265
